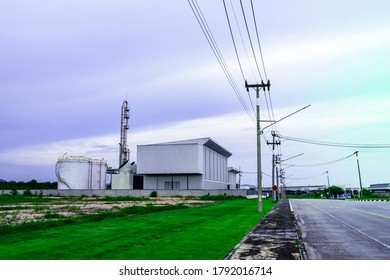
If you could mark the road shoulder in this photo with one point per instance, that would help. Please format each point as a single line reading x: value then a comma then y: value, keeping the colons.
x: 275, y: 237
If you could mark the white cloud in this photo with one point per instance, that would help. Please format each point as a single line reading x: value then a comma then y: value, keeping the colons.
x: 234, y: 132
x: 321, y: 49
x: 353, y: 117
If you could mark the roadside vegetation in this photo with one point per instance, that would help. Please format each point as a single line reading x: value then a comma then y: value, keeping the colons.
x: 148, y: 228
x: 32, y: 185
x: 334, y: 192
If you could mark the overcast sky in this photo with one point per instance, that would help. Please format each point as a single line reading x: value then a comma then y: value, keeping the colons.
x: 67, y: 66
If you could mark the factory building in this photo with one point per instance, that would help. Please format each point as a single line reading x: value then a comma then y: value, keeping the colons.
x: 197, y: 164
x: 188, y: 165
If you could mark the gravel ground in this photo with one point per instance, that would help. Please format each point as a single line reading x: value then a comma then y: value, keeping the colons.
x: 18, y: 213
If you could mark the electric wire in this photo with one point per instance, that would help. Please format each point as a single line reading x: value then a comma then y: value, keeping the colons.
x: 333, y: 144
x: 210, y: 39
x: 223, y: 63
x: 258, y: 40
x: 254, y: 172
x: 237, y: 56
x: 250, y: 39
x: 288, y: 178
x: 242, y: 41
x: 234, y: 42
x: 321, y: 164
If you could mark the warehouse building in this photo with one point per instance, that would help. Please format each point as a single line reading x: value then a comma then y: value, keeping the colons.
x: 185, y: 165
x: 382, y: 189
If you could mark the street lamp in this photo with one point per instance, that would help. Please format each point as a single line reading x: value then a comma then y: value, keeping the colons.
x: 291, y: 157
x: 274, y: 122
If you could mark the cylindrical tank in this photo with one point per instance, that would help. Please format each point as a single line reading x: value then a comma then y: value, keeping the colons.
x: 82, y: 173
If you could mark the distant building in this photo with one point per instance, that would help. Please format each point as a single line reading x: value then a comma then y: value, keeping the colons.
x: 232, y: 175
x: 294, y: 190
x: 188, y: 165
x: 381, y: 189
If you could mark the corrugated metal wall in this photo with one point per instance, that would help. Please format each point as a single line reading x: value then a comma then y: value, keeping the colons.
x: 168, y: 159
x: 215, y: 166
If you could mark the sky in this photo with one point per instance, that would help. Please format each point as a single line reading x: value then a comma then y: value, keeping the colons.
x: 67, y: 66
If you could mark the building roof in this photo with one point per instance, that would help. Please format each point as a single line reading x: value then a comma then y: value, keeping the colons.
x: 233, y: 170
x: 207, y: 141
x: 307, y: 187
x: 383, y: 186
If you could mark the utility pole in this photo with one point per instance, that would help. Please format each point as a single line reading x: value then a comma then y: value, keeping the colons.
x: 273, y: 143
x: 327, y: 175
x: 360, y: 177
x: 257, y: 87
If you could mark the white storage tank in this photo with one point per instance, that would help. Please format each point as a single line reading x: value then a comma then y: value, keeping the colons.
x: 81, y: 173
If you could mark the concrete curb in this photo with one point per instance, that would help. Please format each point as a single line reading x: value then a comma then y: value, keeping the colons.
x: 369, y: 200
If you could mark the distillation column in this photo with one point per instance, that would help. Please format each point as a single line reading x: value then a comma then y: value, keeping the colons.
x: 124, y: 152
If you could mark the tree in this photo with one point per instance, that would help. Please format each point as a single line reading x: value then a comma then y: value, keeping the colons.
x: 367, y: 193
x: 333, y: 191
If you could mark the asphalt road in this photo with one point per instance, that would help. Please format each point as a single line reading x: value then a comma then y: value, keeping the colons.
x: 344, y: 230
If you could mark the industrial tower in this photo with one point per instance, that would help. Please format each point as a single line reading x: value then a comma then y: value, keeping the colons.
x: 124, y: 153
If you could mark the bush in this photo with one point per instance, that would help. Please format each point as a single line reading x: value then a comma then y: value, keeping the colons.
x: 14, y: 192
x: 220, y: 197
x: 153, y: 194
x: 27, y: 192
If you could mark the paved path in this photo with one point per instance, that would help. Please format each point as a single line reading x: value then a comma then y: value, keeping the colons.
x: 275, y: 237
x: 344, y: 230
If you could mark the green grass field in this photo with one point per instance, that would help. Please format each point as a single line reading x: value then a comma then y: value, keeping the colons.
x: 198, y: 233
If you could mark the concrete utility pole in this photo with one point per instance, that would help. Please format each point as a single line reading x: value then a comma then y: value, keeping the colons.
x: 360, y: 177
x: 327, y: 175
x: 257, y: 87
x: 273, y: 143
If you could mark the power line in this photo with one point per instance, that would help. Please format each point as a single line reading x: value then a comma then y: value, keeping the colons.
x: 250, y: 39
x: 258, y: 40
x: 234, y: 43
x: 324, y: 163
x: 242, y: 40
x: 210, y: 39
x: 306, y: 177
x: 235, y: 49
x: 333, y: 144
x: 249, y: 172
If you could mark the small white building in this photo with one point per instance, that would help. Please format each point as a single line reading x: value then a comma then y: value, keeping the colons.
x: 123, y: 179
x: 232, y: 174
x: 188, y: 165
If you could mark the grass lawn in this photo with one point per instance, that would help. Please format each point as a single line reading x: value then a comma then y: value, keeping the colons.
x: 199, y: 233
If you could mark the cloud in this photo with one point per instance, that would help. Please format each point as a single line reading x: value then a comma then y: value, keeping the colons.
x: 319, y: 49
x: 231, y: 131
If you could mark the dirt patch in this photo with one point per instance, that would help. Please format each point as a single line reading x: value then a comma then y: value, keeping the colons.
x: 17, y: 213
